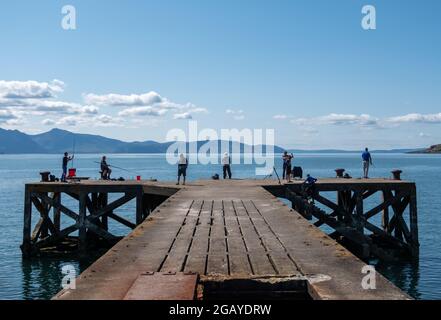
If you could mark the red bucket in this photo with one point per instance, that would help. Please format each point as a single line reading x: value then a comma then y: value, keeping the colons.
x: 72, y: 173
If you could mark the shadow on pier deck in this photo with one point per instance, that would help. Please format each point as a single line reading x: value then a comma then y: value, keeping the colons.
x: 234, y: 239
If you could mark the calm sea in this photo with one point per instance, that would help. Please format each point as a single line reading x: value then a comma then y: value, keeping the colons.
x: 41, y: 278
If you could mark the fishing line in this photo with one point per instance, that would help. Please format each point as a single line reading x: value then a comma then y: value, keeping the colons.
x: 131, y: 171
x: 73, y: 154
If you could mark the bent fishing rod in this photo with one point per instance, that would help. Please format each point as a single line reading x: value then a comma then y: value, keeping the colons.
x: 131, y: 171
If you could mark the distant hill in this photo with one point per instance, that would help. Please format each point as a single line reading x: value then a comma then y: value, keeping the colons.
x: 59, y: 141
x: 432, y: 149
x: 14, y: 141
x: 351, y: 151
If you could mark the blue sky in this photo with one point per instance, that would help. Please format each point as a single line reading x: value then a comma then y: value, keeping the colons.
x: 135, y: 69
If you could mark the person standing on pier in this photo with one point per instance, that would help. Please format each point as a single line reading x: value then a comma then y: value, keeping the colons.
x: 367, y: 162
x: 105, y: 169
x: 182, y: 168
x: 66, y: 160
x: 287, y: 166
x: 226, y: 162
x: 285, y: 158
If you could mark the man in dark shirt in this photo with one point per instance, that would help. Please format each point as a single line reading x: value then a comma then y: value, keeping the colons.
x: 66, y: 160
x: 105, y: 169
x: 285, y: 159
x: 308, y: 187
x: 287, y: 167
x: 310, y: 180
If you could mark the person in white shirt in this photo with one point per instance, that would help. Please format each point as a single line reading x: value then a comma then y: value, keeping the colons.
x: 182, y: 168
x: 226, y: 162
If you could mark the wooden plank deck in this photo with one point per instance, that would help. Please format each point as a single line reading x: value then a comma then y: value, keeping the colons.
x: 229, y: 229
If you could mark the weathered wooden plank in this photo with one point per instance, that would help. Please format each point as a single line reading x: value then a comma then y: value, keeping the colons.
x: 37, y: 230
x: 277, y: 252
x: 27, y: 222
x: 82, y: 214
x: 196, y: 263
x: 239, y: 265
x: 385, y: 214
x: 53, y: 238
x: 197, y: 257
x: 217, y: 264
x: 46, y: 224
x: 62, y: 208
x: 112, y: 206
x: 99, y: 231
x: 381, y: 207
x: 413, y: 221
x: 139, y: 207
x: 261, y: 263
x: 177, y: 256
x: 121, y: 220
x: 57, y: 212
x: 283, y: 264
x: 359, y: 212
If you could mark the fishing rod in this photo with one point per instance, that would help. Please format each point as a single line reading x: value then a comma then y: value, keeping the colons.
x: 73, y: 153
x: 131, y: 171
x: 278, y: 178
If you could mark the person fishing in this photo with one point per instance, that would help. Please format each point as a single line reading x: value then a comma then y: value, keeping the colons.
x: 308, y: 187
x: 105, y: 169
x: 367, y: 162
x: 66, y: 160
x: 284, y: 158
x: 182, y: 168
x: 287, y: 165
x: 226, y: 162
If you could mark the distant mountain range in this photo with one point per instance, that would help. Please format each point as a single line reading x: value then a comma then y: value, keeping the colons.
x: 60, y: 141
x: 352, y: 151
x: 432, y: 149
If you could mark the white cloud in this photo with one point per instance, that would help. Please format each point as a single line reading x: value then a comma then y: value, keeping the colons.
x: 102, y: 120
x: 142, y: 111
x: 364, y: 120
x: 30, y: 99
x: 147, y: 104
x: 280, y: 117
x: 30, y: 89
x: 188, y: 115
x: 70, y: 121
x: 105, y: 120
x: 119, y: 100
x: 150, y: 99
x: 44, y: 107
x: 197, y: 110
x: 15, y: 122
x: 349, y: 119
x: 237, y: 114
x: 417, y: 118
x: 6, y: 116
x: 49, y: 122
x: 183, y: 116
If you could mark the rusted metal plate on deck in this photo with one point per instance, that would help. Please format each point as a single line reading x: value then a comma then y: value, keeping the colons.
x: 163, y: 286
